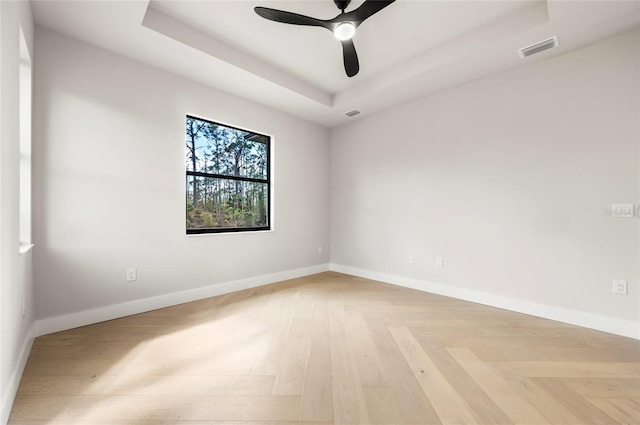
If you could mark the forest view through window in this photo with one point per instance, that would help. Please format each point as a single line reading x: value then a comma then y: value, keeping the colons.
x: 227, y: 181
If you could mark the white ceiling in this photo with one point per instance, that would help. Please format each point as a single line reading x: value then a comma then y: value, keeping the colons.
x: 408, y: 50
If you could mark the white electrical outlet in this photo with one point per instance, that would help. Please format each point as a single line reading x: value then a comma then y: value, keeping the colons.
x: 411, y: 259
x: 439, y: 262
x: 620, y: 287
x: 319, y: 250
x: 24, y: 308
x: 132, y: 275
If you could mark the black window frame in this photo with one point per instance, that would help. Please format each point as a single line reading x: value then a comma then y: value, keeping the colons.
x: 267, y: 181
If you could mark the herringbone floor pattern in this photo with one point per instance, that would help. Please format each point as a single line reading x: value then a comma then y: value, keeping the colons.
x: 330, y: 349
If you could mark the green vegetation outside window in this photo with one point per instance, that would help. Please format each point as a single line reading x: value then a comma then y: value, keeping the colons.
x: 227, y: 178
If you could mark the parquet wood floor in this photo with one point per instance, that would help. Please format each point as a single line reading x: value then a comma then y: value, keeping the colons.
x: 330, y: 349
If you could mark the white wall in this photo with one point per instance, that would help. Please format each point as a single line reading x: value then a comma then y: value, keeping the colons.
x: 109, y: 188
x: 508, y: 179
x: 16, y: 331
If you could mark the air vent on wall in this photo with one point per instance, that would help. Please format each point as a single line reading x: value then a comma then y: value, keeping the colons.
x: 352, y: 113
x: 538, y: 47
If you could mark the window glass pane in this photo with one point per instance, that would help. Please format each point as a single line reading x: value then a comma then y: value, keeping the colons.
x: 25, y: 164
x: 216, y: 149
x: 218, y: 203
x: 196, y: 144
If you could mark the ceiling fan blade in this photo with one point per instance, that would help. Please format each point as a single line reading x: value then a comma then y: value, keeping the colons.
x: 368, y: 8
x: 351, y: 64
x: 290, y: 18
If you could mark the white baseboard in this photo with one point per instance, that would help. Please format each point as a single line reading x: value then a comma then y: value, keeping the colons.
x: 16, y: 376
x: 579, y: 318
x: 88, y: 317
x: 588, y: 320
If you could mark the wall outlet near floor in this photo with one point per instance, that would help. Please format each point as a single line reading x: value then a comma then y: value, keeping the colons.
x: 24, y: 307
x: 320, y: 250
x: 132, y: 274
x: 620, y: 287
x: 411, y: 259
x: 439, y: 263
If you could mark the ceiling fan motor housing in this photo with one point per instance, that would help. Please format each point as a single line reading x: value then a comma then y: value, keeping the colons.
x: 342, y: 4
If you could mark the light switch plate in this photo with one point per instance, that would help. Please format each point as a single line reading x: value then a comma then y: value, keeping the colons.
x: 622, y: 210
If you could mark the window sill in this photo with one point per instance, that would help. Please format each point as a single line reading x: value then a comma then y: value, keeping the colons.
x: 26, y: 248
x: 241, y: 232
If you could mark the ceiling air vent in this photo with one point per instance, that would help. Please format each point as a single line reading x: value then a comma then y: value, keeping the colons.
x: 352, y: 113
x: 538, y: 47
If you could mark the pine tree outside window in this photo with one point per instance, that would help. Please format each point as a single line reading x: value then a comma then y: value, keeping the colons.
x: 227, y: 178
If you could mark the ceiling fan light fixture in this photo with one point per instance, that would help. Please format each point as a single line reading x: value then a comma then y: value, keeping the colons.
x: 344, y: 31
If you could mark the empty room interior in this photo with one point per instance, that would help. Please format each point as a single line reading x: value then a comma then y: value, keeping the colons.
x: 319, y: 212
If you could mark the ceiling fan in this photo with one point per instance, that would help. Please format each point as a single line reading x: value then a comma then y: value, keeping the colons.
x: 342, y: 26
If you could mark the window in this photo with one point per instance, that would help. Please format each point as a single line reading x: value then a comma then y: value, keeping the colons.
x: 227, y: 179
x: 25, y: 146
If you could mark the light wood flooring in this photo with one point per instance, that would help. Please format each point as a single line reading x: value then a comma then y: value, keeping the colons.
x: 328, y: 349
